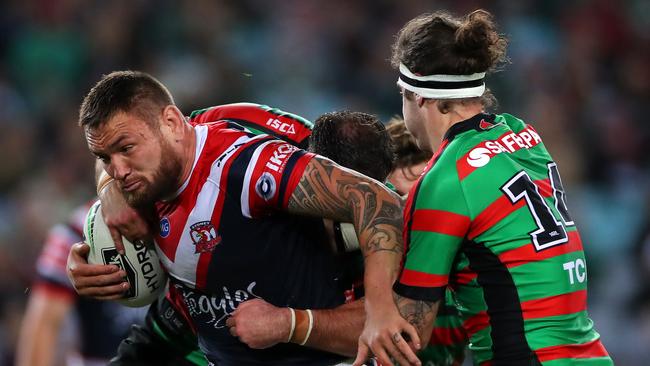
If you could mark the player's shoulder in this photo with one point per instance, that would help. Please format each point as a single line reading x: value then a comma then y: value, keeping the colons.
x: 245, y: 112
x: 516, y: 124
x: 258, y: 119
x: 483, y: 128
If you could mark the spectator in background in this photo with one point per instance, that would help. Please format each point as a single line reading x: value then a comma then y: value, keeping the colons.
x: 52, y: 301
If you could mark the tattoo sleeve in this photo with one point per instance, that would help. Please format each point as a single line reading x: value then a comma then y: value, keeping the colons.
x: 420, y: 314
x: 330, y: 191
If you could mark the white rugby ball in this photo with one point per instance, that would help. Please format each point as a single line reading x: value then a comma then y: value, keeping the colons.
x: 140, y: 262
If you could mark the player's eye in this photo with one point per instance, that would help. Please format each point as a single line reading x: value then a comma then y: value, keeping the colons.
x: 104, y: 159
x: 127, y: 148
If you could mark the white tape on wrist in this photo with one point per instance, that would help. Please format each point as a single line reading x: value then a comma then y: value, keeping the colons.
x: 311, y: 326
x: 293, y: 324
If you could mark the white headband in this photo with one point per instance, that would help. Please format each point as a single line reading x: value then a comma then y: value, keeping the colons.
x: 442, y: 86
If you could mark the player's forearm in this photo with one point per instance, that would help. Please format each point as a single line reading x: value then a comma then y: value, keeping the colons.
x: 331, y: 191
x: 421, y: 314
x: 380, y: 239
x: 337, y: 330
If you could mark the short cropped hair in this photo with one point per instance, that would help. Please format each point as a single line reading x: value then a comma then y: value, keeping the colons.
x: 355, y: 140
x: 123, y: 91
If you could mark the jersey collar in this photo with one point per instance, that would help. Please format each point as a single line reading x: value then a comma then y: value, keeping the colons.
x: 480, y: 122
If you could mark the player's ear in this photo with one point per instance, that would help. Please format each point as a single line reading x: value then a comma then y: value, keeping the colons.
x: 420, y: 100
x: 172, y: 119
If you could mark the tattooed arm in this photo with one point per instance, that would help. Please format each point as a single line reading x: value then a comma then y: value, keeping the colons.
x: 331, y: 191
x: 421, y: 314
x: 328, y: 190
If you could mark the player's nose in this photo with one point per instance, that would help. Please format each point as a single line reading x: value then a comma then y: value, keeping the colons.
x: 118, y: 169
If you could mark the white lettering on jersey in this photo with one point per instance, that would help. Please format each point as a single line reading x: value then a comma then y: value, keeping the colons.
x: 215, y: 309
x: 283, y: 127
x: 578, y: 268
x: 277, y: 160
x: 481, y: 155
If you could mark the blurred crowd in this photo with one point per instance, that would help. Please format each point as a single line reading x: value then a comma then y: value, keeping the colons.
x: 579, y: 71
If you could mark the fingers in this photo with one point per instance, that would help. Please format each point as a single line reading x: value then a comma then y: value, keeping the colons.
x: 231, y: 323
x: 362, y: 354
x: 78, y: 266
x: 117, y: 239
x: 96, y: 275
x: 393, y: 348
x: 233, y: 331
x: 413, y: 335
x: 112, y: 292
x: 105, y: 282
x: 382, y: 357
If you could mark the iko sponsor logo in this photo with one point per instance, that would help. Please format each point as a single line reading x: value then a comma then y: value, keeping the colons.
x: 480, y: 156
x: 265, y: 187
x: 277, y: 161
x: 215, y: 309
x: 283, y: 127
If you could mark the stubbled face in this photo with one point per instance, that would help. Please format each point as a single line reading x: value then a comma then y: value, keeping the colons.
x: 414, y: 121
x: 403, y: 178
x: 137, y: 157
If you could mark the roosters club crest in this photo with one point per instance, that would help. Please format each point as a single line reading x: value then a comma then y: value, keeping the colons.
x: 204, y: 236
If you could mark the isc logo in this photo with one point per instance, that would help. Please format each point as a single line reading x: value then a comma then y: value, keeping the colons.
x: 281, y: 126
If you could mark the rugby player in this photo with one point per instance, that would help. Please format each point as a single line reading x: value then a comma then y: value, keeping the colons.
x: 410, y: 160
x: 489, y: 216
x: 52, y: 301
x: 341, y: 136
x: 448, y: 339
x: 167, y: 338
x: 254, y: 195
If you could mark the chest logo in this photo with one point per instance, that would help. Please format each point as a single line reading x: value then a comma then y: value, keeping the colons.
x: 204, y: 236
x: 165, y: 228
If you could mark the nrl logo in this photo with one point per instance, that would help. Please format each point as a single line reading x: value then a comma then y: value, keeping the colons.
x: 204, y: 236
x: 111, y: 256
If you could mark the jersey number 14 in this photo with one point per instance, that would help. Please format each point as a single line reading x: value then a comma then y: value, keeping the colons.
x: 550, y: 231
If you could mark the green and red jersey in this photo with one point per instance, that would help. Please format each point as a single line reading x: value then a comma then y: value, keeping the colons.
x: 448, y: 338
x: 489, y: 218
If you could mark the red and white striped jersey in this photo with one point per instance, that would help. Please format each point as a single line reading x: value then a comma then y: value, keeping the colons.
x: 225, y: 239
x: 259, y: 171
